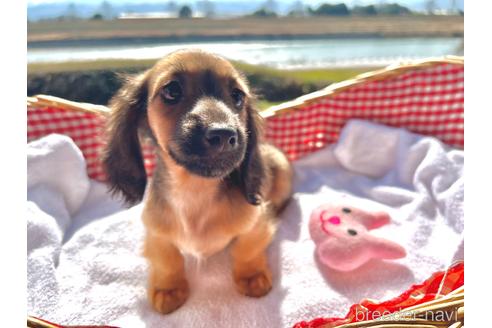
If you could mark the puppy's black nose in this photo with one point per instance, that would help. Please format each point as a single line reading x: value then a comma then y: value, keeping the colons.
x: 220, y: 139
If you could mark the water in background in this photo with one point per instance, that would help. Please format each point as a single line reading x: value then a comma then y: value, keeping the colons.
x: 279, y: 53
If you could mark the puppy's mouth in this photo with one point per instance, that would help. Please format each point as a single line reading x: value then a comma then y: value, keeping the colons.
x: 209, y: 157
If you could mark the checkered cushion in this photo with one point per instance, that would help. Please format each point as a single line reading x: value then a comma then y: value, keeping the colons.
x: 86, y: 130
x: 427, y: 100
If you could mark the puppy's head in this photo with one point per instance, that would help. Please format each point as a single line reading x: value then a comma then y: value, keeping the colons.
x: 198, y: 109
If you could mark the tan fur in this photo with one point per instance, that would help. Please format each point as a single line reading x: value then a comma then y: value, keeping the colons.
x: 188, y: 213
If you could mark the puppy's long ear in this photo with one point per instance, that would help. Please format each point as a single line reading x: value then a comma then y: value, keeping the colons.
x: 252, y: 171
x: 122, y: 158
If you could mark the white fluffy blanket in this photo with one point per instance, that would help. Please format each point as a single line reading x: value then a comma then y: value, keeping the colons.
x: 85, y: 267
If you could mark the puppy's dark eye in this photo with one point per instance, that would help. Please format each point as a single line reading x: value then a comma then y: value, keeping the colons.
x: 238, y: 98
x: 172, y: 93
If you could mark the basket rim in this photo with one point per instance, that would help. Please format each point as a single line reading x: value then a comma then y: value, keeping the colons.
x: 381, y: 74
x: 43, y: 101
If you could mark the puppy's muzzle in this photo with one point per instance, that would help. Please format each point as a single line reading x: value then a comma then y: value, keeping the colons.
x: 220, y: 139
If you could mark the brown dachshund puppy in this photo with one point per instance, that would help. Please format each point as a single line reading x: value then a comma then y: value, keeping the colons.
x: 214, y: 183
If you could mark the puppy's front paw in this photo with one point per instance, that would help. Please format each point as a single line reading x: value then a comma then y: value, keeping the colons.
x: 169, y: 299
x: 256, y: 285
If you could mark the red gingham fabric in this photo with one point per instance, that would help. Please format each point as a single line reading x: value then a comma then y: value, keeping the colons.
x: 85, y: 129
x: 439, y: 284
x: 426, y: 100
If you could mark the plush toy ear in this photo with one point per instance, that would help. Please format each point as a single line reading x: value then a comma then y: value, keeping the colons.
x: 385, y: 249
x: 122, y: 158
x: 339, y: 255
x: 374, y: 220
x: 252, y: 171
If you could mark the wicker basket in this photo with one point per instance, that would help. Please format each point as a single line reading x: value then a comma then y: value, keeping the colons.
x: 425, y: 97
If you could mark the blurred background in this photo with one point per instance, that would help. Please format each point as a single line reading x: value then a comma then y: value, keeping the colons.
x: 286, y: 48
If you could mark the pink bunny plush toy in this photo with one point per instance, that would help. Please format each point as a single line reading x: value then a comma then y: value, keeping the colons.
x: 342, y: 238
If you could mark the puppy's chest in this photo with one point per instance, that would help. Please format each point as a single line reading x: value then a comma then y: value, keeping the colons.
x: 207, y: 225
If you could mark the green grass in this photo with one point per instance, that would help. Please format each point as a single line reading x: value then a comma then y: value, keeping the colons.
x: 318, y: 76
x: 264, y: 104
x: 301, y: 75
x: 304, y: 75
x: 102, y: 64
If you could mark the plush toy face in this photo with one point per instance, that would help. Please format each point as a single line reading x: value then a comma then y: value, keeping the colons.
x: 342, y: 238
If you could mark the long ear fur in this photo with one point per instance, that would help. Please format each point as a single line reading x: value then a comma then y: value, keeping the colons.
x: 122, y: 158
x: 252, y: 171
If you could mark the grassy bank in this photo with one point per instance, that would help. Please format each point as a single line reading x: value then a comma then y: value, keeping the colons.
x: 244, y: 28
x: 300, y: 75
x: 96, y: 81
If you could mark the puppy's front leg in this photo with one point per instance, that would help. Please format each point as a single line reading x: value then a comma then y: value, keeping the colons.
x: 251, y: 273
x: 168, y: 288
